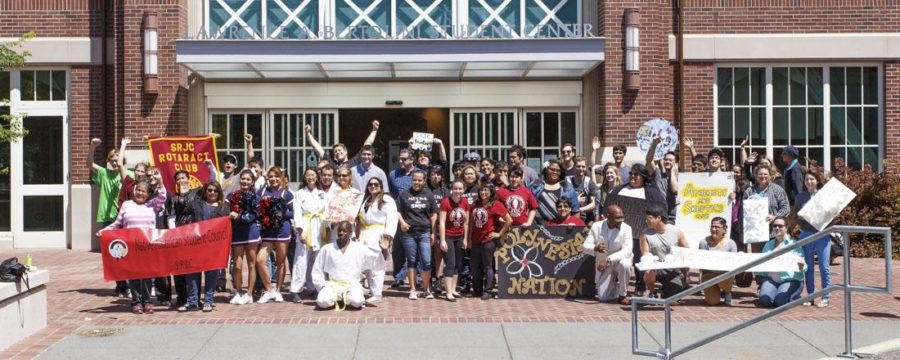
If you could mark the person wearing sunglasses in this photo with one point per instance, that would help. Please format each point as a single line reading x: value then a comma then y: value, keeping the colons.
x: 780, y: 288
x: 377, y: 226
x: 564, y: 215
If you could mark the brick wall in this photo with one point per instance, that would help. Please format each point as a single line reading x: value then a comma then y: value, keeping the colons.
x: 53, y: 18
x: 624, y: 111
x: 791, y: 16
x: 891, y: 134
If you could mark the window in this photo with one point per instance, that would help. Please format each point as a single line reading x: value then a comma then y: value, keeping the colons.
x: 546, y: 132
x: 489, y: 133
x: 289, y: 148
x: 43, y: 85
x: 232, y: 127
x: 825, y: 111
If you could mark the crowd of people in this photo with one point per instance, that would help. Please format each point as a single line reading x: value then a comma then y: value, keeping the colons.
x: 442, y: 234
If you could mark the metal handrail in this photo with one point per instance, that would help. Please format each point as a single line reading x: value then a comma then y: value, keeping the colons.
x: 666, y: 352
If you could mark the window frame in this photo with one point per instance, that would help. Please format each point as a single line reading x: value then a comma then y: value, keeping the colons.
x: 826, y: 104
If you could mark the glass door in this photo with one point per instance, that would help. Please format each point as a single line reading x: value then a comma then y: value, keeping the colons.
x: 488, y: 132
x: 39, y: 179
x: 288, y: 147
x: 545, y: 131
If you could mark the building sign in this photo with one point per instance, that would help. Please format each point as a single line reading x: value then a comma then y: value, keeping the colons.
x: 397, y: 19
x: 545, y: 261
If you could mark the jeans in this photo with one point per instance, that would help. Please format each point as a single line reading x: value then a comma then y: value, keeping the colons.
x: 453, y: 256
x: 823, y: 248
x: 209, y: 287
x: 140, y: 291
x: 418, y: 250
x: 483, y: 267
x: 180, y: 289
x: 772, y: 294
x: 398, y: 256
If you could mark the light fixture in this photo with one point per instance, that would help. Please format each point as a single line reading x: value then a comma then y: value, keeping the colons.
x: 632, y: 49
x: 151, y: 46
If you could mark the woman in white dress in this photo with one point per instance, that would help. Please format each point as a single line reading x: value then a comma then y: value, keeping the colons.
x: 377, y: 224
x: 309, y: 208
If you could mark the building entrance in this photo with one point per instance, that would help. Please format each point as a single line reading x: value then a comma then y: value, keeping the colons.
x: 397, y: 126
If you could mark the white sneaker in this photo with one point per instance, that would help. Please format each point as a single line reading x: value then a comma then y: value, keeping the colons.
x: 246, y: 299
x: 266, y: 297
x: 237, y: 299
x: 278, y: 297
x: 375, y: 299
x: 413, y: 295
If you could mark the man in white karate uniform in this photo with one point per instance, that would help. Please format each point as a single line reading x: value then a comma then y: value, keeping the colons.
x: 339, y: 267
x: 609, y: 241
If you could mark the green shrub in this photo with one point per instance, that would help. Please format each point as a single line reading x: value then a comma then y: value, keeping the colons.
x: 877, y: 203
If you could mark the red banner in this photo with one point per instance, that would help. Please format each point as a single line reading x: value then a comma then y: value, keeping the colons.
x: 148, y: 253
x: 172, y: 153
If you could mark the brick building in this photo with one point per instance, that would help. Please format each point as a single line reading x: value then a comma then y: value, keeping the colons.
x: 819, y: 74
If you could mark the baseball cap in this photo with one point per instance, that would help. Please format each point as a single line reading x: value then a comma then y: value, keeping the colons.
x: 230, y: 158
x: 472, y: 156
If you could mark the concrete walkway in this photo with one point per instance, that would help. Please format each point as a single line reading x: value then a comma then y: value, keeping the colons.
x: 767, y: 340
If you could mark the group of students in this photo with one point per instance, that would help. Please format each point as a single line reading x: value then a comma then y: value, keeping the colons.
x: 442, y: 236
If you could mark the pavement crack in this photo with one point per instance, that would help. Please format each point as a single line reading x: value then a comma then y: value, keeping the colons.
x: 506, y: 340
x: 651, y: 335
x: 356, y: 343
x: 802, y: 338
x: 200, y: 350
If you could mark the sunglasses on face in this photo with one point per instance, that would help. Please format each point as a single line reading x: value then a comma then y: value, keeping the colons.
x: 211, y: 190
x: 778, y: 225
x: 374, y: 185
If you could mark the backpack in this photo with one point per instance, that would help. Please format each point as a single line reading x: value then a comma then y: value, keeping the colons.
x: 13, y: 271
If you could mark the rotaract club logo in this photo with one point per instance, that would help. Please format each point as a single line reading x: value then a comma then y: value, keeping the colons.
x: 515, y: 204
x: 481, y: 217
x: 457, y: 215
x: 118, y: 249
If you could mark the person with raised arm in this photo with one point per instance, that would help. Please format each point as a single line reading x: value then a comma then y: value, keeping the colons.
x: 109, y: 182
x: 338, y: 156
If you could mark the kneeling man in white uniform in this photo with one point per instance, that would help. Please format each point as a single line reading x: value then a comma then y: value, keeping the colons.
x: 338, y: 269
x: 610, y: 242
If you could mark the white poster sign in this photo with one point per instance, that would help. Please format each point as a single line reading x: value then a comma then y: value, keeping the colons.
x: 422, y: 141
x: 667, y: 134
x: 756, y: 228
x: 719, y: 261
x: 702, y: 197
x: 826, y: 204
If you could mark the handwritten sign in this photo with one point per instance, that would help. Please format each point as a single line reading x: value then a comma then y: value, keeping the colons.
x: 667, y: 134
x: 540, y: 261
x: 422, y: 141
x: 183, y: 153
x: 756, y: 228
x: 635, y: 211
x: 343, y: 205
x: 703, y: 196
x: 826, y: 204
x: 718, y: 261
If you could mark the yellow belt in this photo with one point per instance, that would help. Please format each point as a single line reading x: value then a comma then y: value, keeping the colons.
x: 309, y: 218
x: 345, y: 288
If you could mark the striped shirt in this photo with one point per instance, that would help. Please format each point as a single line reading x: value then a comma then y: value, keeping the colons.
x: 134, y: 216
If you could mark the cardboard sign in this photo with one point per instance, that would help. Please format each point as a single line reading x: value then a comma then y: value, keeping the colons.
x: 703, y: 196
x: 667, y: 133
x: 718, y: 261
x: 635, y: 211
x: 173, y: 153
x: 147, y: 253
x: 545, y: 262
x: 827, y: 203
x: 756, y: 228
x: 422, y: 141
x: 343, y: 205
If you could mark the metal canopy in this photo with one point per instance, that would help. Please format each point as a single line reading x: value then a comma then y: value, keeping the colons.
x: 391, y: 59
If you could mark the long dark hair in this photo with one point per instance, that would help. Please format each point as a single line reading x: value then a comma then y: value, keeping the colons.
x: 479, y: 202
x: 220, y: 196
x: 369, y: 199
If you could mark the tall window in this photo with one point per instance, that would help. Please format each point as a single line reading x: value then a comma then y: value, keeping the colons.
x: 232, y: 127
x: 826, y: 112
x: 489, y: 133
x: 289, y: 148
x: 546, y: 132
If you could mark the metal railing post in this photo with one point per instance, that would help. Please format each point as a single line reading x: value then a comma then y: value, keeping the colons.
x: 668, y: 330
x: 848, y: 322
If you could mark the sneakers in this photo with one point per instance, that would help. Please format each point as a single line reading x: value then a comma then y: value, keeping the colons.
x: 246, y: 299
x: 148, y: 309
x: 207, y: 307
x: 823, y: 303
x: 413, y: 295
x: 809, y: 303
x: 187, y: 308
x: 486, y: 296
x: 429, y: 295
x: 374, y: 299
x: 278, y: 297
x: 295, y: 297
x: 237, y: 299
x: 727, y: 299
x: 137, y: 309
x: 266, y: 297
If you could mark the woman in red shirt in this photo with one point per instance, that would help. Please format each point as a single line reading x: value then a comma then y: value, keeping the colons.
x: 564, y: 214
x: 486, y: 215
x: 453, y: 217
